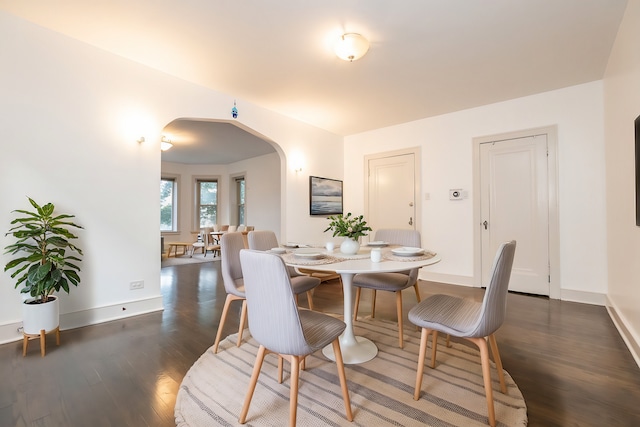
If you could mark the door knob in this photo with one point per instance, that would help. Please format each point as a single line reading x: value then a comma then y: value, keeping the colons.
x: 485, y: 223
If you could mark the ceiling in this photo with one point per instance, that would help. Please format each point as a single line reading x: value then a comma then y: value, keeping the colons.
x: 427, y: 57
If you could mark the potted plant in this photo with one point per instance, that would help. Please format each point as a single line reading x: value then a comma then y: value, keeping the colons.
x: 351, y: 228
x: 45, y: 263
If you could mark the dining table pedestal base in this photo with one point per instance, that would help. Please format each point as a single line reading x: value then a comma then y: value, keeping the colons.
x: 354, y: 350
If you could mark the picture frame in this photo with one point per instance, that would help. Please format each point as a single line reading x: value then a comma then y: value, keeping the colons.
x: 325, y: 196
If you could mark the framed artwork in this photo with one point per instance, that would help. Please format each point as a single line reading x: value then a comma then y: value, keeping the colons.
x: 325, y: 196
x: 637, y: 125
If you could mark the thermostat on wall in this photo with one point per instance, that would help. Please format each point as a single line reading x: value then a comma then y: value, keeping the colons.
x: 457, y: 194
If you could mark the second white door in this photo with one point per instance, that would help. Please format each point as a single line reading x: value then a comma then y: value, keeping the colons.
x: 515, y: 205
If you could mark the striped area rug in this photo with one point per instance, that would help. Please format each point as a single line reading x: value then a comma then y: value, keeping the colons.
x: 381, y: 390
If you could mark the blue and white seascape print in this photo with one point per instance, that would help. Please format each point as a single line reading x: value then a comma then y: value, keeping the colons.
x: 326, y: 196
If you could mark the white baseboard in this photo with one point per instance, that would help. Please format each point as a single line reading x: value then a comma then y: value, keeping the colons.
x: 583, y: 297
x: 11, y: 331
x: 446, y: 278
x: 626, y: 332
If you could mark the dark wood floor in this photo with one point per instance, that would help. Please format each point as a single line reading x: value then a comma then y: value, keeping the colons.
x: 568, y: 359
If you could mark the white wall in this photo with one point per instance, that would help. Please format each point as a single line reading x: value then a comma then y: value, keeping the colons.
x: 262, y: 180
x: 70, y: 116
x: 622, y: 106
x: 446, y: 143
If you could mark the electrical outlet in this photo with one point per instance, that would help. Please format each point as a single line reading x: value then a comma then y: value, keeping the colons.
x: 138, y: 284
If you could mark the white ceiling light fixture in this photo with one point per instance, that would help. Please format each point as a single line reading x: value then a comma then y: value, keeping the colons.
x: 165, y: 144
x: 351, y: 46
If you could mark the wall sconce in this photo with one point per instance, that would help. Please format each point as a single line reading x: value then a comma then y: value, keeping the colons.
x: 165, y: 144
x: 140, y: 140
x: 351, y: 46
x: 297, y: 161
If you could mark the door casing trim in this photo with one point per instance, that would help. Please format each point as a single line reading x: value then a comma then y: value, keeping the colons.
x: 554, y: 224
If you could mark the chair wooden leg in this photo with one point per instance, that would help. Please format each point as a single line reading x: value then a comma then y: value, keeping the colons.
x: 373, y: 305
x: 280, y: 368
x: 400, y: 322
x: 293, y: 390
x: 486, y: 375
x: 262, y: 351
x: 434, y: 349
x: 310, y: 299
x: 223, y: 318
x: 357, y: 304
x: 496, y: 358
x: 243, y: 322
x: 424, y: 337
x: 343, y: 379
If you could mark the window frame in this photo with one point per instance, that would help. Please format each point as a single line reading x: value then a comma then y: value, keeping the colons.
x: 175, y: 179
x: 197, y: 180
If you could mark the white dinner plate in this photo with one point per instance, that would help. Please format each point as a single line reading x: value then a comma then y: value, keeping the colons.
x: 309, y: 255
x: 407, y: 251
x: 377, y: 243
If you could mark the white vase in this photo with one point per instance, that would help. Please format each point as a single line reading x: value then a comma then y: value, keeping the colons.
x: 349, y: 246
x: 36, y: 317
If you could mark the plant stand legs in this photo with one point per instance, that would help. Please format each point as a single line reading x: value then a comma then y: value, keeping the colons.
x: 41, y: 336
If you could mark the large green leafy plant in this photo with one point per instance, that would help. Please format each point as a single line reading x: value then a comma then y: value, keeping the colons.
x: 46, y: 254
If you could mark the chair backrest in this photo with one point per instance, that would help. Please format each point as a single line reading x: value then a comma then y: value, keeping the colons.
x: 230, y: 246
x: 232, y: 228
x: 224, y: 227
x: 410, y: 238
x: 273, y: 313
x: 206, y: 234
x: 494, y: 303
x: 249, y: 228
x: 262, y: 240
x: 400, y: 237
x: 240, y: 227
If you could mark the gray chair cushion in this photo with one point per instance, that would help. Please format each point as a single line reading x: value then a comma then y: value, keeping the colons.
x: 301, y: 284
x: 445, y: 313
x: 382, y: 281
x: 319, y: 329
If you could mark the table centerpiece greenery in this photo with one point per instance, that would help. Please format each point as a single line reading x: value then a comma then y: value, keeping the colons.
x: 350, y: 226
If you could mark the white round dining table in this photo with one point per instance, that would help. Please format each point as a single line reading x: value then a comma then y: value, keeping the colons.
x: 357, y: 349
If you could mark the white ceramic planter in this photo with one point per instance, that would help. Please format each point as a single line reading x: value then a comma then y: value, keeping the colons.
x: 36, y: 317
x: 349, y: 246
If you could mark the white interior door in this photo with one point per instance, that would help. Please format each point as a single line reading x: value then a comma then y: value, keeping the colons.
x: 392, y: 192
x: 515, y: 206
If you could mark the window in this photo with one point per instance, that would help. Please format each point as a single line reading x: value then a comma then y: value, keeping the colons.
x: 207, y: 202
x: 240, y: 191
x: 168, y: 197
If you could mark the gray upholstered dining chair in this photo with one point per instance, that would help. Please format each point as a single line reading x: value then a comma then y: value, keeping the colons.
x: 391, y: 282
x: 279, y: 326
x: 230, y: 246
x: 263, y: 240
x: 466, y: 318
